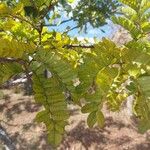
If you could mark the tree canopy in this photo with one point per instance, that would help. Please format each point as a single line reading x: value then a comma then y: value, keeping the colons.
x: 101, y: 74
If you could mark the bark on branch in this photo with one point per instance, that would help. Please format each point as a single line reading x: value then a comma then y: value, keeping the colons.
x: 78, y: 46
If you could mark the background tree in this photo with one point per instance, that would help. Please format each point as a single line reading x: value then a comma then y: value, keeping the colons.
x: 92, y: 12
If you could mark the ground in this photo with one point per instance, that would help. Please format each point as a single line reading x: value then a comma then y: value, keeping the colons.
x: 17, y: 113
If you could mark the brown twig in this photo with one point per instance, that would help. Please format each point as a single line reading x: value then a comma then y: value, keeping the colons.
x: 11, y: 60
x: 70, y: 29
x: 78, y: 46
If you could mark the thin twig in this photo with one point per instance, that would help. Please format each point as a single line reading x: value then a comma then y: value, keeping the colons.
x: 71, y: 29
x: 11, y: 60
x: 78, y: 46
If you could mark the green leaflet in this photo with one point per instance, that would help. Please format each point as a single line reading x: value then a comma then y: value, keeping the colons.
x: 90, y: 107
x: 145, y: 5
x: 142, y: 103
x: 54, y: 137
x: 8, y: 70
x: 136, y: 57
x: 18, y: 9
x: 144, y: 83
x: 26, y: 2
x: 15, y: 49
x: 104, y: 72
x: 104, y: 54
x: 137, y: 5
x: 135, y: 17
x: 100, y: 119
x: 86, y: 73
x: 49, y: 93
x: 133, y: 69
x: 4, y: 9
x: 142, y: 111
x: 106, y: 77
x: 142, y: 108
x: 91, y: 120
x: 7, y: 11
x: 42, y: 116
x: 146, y: 27
x: 129, y: 13
x: 128, y: 25
x: 131, y: 3
x: 64, y: 72
x: 144, y: 126
x: 95, y: 97
x: 96, y: 116
x: 139, y: 46
x: 145, y: 16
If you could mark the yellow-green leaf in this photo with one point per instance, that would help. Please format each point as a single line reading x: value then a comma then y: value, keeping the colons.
x: 91, y: 120
x: 100, y: 119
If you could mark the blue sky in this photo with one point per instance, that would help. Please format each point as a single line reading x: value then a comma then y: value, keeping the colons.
x: 91, y: 32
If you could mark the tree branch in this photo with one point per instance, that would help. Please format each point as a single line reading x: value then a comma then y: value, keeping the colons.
x: 78, y: 46
x: 71, y: 29
x: 11, y: 60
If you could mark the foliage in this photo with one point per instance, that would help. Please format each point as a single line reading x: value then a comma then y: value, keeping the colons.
x: 103, y: 73
x: 93, y: 12
x: 83, y: 14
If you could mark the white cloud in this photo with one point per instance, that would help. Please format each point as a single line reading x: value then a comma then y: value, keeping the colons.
x: 84, y: 39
